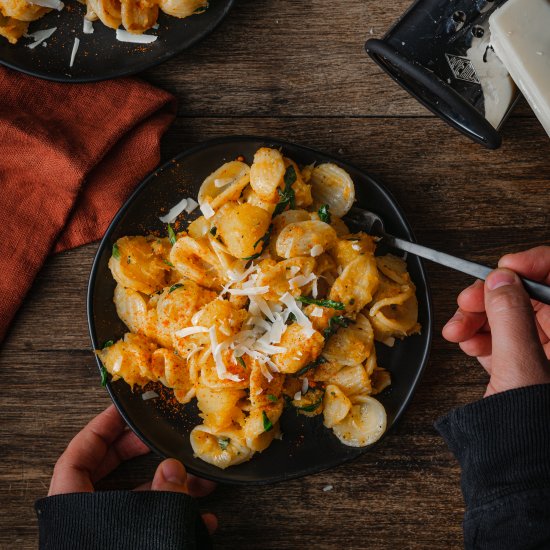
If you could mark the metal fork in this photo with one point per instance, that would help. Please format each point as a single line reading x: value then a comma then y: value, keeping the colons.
x: 373, y: 224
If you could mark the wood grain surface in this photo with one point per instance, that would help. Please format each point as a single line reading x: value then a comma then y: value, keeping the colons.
x: 297, y: 70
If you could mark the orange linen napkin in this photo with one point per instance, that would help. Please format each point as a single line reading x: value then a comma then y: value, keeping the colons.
x: 70, y: 154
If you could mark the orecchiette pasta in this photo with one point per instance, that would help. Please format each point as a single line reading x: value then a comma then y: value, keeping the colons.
x: 332, y: 185
x: 263, y: 301
x: 266, y: 173
x: 363, y: 425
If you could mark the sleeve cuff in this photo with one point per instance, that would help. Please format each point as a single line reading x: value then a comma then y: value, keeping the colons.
x: 502, y: 443
x: 126, y: 520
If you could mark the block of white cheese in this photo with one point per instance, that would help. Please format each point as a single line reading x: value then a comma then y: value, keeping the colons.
x: 520, y: 36
x: 499, y: 90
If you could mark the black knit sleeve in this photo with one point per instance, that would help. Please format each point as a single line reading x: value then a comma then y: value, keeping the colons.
x: 121, y: 520
x: 503, y: 446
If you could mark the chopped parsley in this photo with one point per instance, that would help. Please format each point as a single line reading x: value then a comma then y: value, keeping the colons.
x: 108, y: 344
x: 253, y: 257
x: 333, y: 324
x: 173, y: 287
x: 267, y: 423
x: 241, y: 362
x: 116, y: 252
x: 312, y: 407
x: 272, y: 397
x: 324, y: 214
x: 171, y: 234
x: 319, y: 361
x: 213, y: 230
x: 168, y: 263
x: 287, y: 196
x: 223, y: 442
x: 265, y: 240
x: 104, y: 378
x: 201, y: 9
x: 325, y: 303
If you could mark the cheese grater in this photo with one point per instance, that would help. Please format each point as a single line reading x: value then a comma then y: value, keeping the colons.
x: 440, y: 52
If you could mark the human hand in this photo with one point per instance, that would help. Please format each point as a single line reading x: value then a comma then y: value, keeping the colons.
x: 498, y: 324
x: 106, y: 442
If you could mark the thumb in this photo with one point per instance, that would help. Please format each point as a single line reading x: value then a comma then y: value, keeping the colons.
x: 170, y: 476
x: 517, y: 354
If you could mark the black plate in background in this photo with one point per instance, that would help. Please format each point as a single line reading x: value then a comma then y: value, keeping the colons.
x: 307, y: 447
x: 100, y: 55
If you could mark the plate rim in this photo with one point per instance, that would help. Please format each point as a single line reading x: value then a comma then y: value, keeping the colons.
x: 283, y: 143
x: 122, y: 73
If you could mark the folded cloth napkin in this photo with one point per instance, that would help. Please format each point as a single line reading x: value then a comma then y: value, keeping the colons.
x: 70, y: 154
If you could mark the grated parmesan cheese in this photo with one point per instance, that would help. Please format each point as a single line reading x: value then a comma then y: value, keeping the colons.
x: 191, y: 205
x: 237, y: 277
x: 189, y: 330
x: 75, y: 49
x: 149, y: 395
x: 250, y: 291
x: 316, y: 312
x: 222, y: 182
x: 317, y: 250
x: 87, y: 27
x: 53, y: 4
x: 174, y: 212
x: 301, y: 319
x: 294, y: 270
x: 298, y: 396
x: 125, y: 36
x: 268, y: 348
x: 301, y: 280
x: 216, y: 348
x: 305, y: 386
x: 40, y: 36
x: 314, y: 288
x: 117, y: 365
x: 207, y: 210
x: 263, y: 306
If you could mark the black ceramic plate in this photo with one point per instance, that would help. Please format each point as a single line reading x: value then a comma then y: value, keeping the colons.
x: 100, y: 56
x: 307, y: 447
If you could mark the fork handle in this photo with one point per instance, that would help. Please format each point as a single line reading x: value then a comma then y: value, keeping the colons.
x: 536, y: 290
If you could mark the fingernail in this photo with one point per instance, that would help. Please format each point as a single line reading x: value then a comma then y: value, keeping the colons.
x: 500, y: 277
x: 457, y: 317
x: 174, y: 472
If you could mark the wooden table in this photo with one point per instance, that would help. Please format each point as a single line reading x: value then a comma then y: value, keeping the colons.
x: 297, y: 70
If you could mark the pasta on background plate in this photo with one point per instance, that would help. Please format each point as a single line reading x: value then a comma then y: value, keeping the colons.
x: 267, y: 300
x: 136, y: 16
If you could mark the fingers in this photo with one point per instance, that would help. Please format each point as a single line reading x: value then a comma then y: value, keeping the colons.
x: 533, y: 263
x: 170, y: 476
x: 127, y: 446
x: 463, y: 325
x: 478, y: 345
x: 194, y: 486
x: 199, y: 487
x: 84, y: 454
x: 472, y: 298
x: 516, y: 349
x: 211, y: 522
